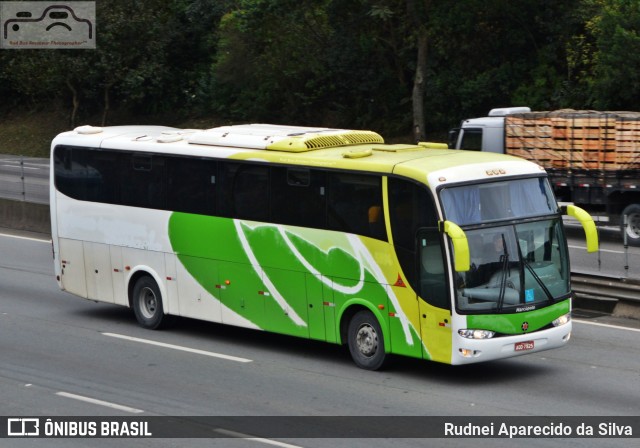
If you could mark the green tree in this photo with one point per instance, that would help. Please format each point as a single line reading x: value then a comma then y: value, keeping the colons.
x: 615, y: 82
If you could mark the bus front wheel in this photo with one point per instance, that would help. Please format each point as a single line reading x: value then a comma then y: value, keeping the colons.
x: 147, y: 303
x: 366, y: 342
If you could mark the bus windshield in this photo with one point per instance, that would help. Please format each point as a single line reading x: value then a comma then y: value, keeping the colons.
x: 495, y: 201
x: 515, y: 266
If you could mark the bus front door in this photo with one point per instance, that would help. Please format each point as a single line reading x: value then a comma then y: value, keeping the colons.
x: 434, y: 303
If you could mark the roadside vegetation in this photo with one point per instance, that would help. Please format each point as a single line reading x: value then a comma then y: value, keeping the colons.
x: 409, y: 69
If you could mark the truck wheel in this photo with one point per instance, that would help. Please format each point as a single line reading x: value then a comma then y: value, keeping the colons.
x: 147, y: 303
x: 633, y: 224
x: 366, y: 342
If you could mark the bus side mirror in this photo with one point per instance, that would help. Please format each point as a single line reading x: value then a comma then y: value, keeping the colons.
x: 590, y: 231
x: 458, y: 238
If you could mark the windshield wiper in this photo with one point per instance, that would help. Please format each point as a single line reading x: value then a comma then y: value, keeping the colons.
x: 503, y: 279
x: 538, y: 280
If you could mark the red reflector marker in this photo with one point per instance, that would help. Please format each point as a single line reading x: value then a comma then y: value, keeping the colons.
x: 399, y: 282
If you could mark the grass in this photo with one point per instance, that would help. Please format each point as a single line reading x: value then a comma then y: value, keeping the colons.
x: 30, y: 134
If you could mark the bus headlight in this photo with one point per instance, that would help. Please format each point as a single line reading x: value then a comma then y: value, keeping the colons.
x: 476, y: 334
x: 562, y: 320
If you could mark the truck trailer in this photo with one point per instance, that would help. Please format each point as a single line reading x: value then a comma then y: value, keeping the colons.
x: 592, y: 157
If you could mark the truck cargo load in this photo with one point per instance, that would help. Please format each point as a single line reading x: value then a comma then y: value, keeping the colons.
x: 576, y: 139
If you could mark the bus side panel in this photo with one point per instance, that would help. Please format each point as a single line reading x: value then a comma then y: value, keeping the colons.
x: 120, y: 295
x: 240, y: 285
x: 329, y: 307
x: 286, y: 304
x: 97, y: 262
x: 435, y: 326
x: 172, y: 284
x: 71, y: 256
x: 404, y: 339
x: 195, y: 299
x: 315, y: 311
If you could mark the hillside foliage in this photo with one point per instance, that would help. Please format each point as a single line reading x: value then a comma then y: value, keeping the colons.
x: 385, y: 65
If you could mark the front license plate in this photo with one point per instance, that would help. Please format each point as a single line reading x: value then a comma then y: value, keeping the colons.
x: 526, y: 345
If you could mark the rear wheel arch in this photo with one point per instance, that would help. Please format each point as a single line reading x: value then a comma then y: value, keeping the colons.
x: 147, y: 299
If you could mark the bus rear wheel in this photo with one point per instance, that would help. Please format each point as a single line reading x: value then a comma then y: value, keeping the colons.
x: 366, y: 341
x: 147, y: 303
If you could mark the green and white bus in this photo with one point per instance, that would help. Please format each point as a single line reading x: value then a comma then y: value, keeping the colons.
x: 329, y: 234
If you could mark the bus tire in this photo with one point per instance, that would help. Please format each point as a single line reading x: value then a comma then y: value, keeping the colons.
x: 632, y: 229
x: 366, y: 341
x: 146, y: 302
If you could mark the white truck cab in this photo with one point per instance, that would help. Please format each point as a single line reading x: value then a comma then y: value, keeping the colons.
x: 483, y: 134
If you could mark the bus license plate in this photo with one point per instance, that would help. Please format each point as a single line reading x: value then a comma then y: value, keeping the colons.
x: 526, y: 345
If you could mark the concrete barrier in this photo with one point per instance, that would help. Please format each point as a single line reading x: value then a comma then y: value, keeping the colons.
x: 27, y: 216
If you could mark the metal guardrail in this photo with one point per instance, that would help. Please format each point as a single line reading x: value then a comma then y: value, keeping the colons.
x: 598, y: 287
x: 24, y: 179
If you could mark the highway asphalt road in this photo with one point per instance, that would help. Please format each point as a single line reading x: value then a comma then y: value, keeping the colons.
x: 64, y: 356
x: 613, y: 259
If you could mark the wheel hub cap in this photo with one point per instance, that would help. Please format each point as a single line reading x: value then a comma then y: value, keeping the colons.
x: 367, y: 340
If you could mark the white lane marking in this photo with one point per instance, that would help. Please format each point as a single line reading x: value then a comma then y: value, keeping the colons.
x: 179, y: 347
x: 100, y: 402
x: 39, y: 240
x: 239, y: 435
x: 24, y: 167
x: 598, y: 324
x: 599, y: 250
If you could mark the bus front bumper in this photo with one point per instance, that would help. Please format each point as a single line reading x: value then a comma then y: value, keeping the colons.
x: 469, y: 351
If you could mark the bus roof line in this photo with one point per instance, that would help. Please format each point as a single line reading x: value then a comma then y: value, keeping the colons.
x: 283, y: 138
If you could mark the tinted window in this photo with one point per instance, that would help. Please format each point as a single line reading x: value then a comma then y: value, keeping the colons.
x: 433, y: 279
x: 354, y: 204
x: 87, y: 174
x: 245, y: 191
x: 69, y: 175
x: 142, y: 181
x: 103, y: 181
x: 298, y: 197
x: 411, y: 208
x: 191, y: 185
x: 471, y: 140
x: 346, y: 202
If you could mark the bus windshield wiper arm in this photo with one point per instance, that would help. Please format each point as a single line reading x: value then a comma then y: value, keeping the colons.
x: 503, y: 279
x: 538, y: 279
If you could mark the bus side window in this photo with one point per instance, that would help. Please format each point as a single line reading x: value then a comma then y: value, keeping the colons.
x: 143, y: 176
x: 103, y: 177
x: 297, y: 197
x: 87, y: 174
x: 351, y: 203
x: 70, y: 171
x: 191, y: 185
x: 433, y: 280
x: 245, y: 192
x: 411, y: 207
